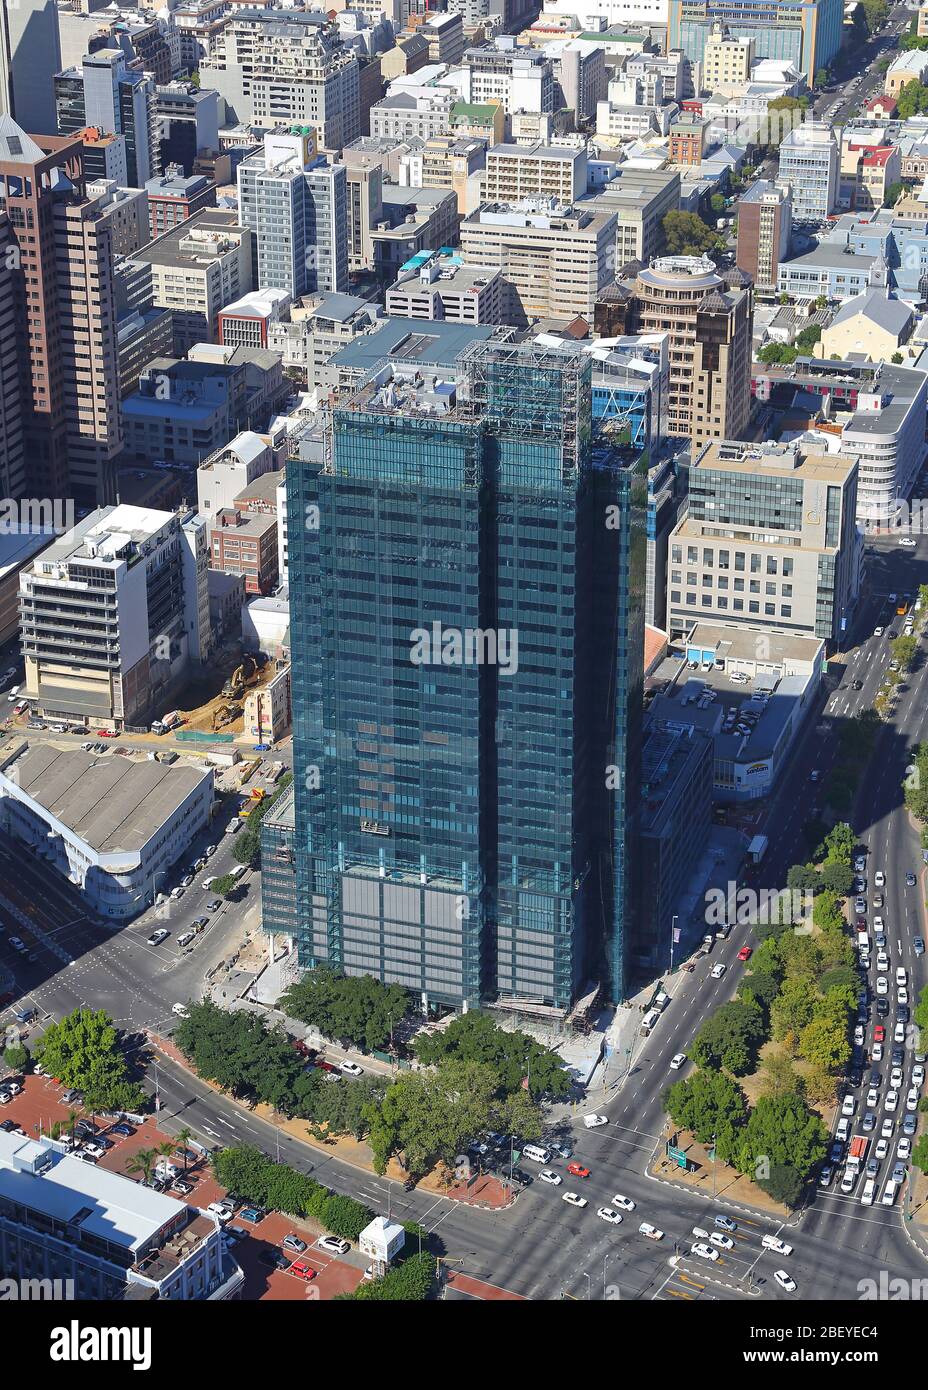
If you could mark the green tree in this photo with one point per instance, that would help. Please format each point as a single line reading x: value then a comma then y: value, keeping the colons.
x: 83, y: 1051
x: 838, y: 879
x: 687, y: 235
x: 223, y: 885
x: 514, y: 1056
x: 717, y: 203
x: 896, y: 358
x: 247, y: 847
x: 778, y: 1075
x: 808, y: 337
x: 781, y: 1131
x: 710, y: 1105
x: 920, y: 1153
x: 16, y: 1056
x: 804, y: 878
x: 730, y: 1038
x: 893, y: 193
x: 143, y: 1162
x: 784, y: 1183
x: 839, y: 844
x: 792, y: 1009
x: 903, y: 650
x: 824, y: 1041
x: 357, y: 1010
x: 408, y: 1282
x: 777, y: 354
x: 346, y: 1217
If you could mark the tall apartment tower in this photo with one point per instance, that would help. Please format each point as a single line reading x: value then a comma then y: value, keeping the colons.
x: 467, y: 637
x: 297, y: 206
x: 30, y: 55
x: 65, y: 314
x: 104, y: 92
x: 764, y: 224
x: 12, y: 451
x: 709, y: 319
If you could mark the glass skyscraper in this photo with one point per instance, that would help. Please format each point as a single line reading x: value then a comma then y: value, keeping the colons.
x: 466, y: 621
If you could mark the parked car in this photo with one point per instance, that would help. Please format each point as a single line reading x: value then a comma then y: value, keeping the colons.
x: 333, y: 1245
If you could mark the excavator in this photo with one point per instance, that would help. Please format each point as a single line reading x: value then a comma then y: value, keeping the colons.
x: 224, y: 714
x: 235, y: 686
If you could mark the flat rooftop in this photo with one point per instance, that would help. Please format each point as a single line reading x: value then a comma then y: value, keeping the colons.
x: 70, y: 1193
x: 112, y: 803
x: 773, y: 460
x: 435, y: 344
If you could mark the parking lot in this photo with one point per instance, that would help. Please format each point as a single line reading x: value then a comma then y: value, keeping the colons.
x: 41, y: 1105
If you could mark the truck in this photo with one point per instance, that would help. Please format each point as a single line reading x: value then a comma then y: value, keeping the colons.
x: 706, y: 946
x: 757, y: 848
x: 169, y: 722
x: 275, y: 772
x: 857, y: 1152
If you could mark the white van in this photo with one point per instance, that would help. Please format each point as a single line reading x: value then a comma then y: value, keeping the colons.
x: 185, y: 939
x: 889, y: 1194
x: 537, y: 1153
x: 866, y: 1197
x: 239, y: 870
x: 233, y: 827
x: 649, y: 1020
x: 207, y: 883
x: 181, y: 1010
x: 661, y: 1000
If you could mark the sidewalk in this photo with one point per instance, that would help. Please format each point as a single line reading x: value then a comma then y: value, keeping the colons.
x: 466, y: 1285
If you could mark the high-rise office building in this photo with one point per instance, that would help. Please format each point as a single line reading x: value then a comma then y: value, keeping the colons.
x: 12, y: 455
x: 807, y: 33
x: 466, y: 601
x: 809, y: 160
x: 765, y: 218
x: 65, y: 314
x: 118, y: 100
x: 30, y: 55
x: 296, y: 204
x: 768, y: 541
x: 709, y: 318
x: 286, y: 65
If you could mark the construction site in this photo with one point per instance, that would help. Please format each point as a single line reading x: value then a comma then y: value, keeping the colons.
x: 210, y: 708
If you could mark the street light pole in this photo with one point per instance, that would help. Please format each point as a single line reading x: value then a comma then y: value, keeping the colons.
x: 715, y: 1160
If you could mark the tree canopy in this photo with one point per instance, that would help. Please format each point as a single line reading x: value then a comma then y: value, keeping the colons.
x: 513, y: 1056
x: 355, y: 1009
x: 83, y: 1051
x: 687, y: 235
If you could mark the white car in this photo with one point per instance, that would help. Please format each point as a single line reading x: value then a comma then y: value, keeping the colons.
x: 882, y: 960
x: 574, y: 1199
x: 859, y: 1035
x: 895, y: 1077
x: 878, y: 924
x: 221, y: 1212
x: 607, y: 1214
x: 879, y: 878
x: 882, y: 986
x: 784, y: 1280
x: 95, y: 1150
x: 351, y: 1068
x: 873, y: 1098
x: 891, y: 1101
x: 911, y: 1100
x: 918, y: 1075
x: 334, y: 1245
x: 882, y: 1148
x: 904, y: 1149
x: 775, y: 1243
x: 899, y: 1033
x: 908, y: 541
x: 625, y: 1203
x: 718, y: 971
x: 705, y: 1252
x: 554, y: 1179
x: 878, y: 632
x: 649, y: 1231
x: 848, y: 1105
x: 902, y: 995
x: 722, y: 1241
x: 677, y: 1060
x: 886, y: 1129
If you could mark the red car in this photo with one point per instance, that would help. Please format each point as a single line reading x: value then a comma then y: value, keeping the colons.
x: 861, y: 923
x: 107, y: 733
x: 879, y: 1033
x: 577, y: 1170
x: 302, y: 1270
x: 745, y: 953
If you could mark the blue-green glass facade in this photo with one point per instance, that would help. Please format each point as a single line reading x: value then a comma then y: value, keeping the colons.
x: 453, y: 823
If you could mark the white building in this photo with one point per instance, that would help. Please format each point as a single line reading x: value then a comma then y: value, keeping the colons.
x: 106, y: 631
x: 104, y: 1235
x: 887, y: 435
x: 809, y: 161
x: 113, y: 827
x: 222, y: 476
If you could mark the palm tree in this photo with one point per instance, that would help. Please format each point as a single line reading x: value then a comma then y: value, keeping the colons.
x: 183, y: 1138
x: 142, y: 1162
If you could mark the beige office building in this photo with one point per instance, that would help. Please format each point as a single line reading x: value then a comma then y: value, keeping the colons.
x: 555, y: 262
x: 197, y: 269
x: 769, y: 541
x: 533, y: 171
x: 726, y: 61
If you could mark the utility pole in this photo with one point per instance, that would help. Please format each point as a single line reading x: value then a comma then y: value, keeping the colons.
x: 715, y: 1160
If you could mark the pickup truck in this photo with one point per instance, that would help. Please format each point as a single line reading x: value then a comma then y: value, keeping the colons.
x: 706, y: 946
